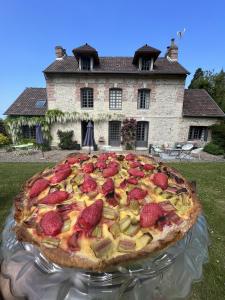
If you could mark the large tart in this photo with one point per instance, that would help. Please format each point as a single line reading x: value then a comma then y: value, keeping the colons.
x: 99, y: 211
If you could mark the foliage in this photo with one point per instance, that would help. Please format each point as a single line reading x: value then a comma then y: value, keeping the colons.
x: 218, y: 134
x: 66, y: 141
x: 128, y: 132
x: 213, y: 149
x: 3, y: 127
x: 213, y: 83
x: 26, y: 141
x: 4, y: 140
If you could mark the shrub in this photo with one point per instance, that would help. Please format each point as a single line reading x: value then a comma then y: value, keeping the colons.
x: 66, y: 142
x: 218, y: 134
x: 128, y: 132
x: 213, y: 149
x: 4, y: 140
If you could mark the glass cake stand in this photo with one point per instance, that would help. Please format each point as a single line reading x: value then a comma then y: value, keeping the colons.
x: 165, y: 276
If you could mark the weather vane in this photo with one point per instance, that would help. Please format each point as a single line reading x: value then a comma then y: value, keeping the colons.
x: 180, y: 34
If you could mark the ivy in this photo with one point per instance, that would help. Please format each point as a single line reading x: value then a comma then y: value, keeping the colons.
x: 15, y: 123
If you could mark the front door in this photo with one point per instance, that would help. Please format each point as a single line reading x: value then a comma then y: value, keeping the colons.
x: 114, y: 133
x: 142, y: 134
x: 84, y: 130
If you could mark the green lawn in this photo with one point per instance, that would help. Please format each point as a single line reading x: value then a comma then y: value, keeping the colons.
x: 210, y: 179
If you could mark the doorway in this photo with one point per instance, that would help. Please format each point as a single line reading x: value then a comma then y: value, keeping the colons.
x: 114, y: 133
x: 142, y: 134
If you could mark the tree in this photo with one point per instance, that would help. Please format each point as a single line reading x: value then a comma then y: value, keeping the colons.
x: 218, y: 92
x: 128, y: 132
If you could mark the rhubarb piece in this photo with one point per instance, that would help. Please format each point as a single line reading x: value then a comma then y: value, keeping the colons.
x: 125, y: 223
x: 134, y: 221
x: 167, y: 206
x: 137, y: 194
x: 91, y: 215
x: 150, y: 213
x: 108, y: 186
x: 66, y: 225
x: 79, y: 179
x: 38, y: 186
x: 158, y: 190
x: 88, y: 168
x: 161, y: 180
x: 109, y: 213
x: 102, y: 247
x: 55, y: 197
x: 88, y: 185
x: 136, y: 173
x: 61, y: 175
x: 112, y: 199
x: 97, y: 232
x: 148, y: 167
x: 73, y: 241
x: 115, y: 230
x: 145, y: 239
x: 69, y: 188
x: 132, y: 229
x: 134, y: 205
x: 130, y: 156
x: 51, y: 223
x: 50, y: 242
x: 126, y: 246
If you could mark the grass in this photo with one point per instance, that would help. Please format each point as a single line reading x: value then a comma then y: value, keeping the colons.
x: 210, y: 179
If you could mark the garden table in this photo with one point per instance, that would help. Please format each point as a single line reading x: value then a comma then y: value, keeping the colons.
x: 165, y: 276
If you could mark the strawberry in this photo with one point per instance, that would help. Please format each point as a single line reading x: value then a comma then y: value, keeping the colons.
x: 130, y: 156
x: 61, y: 167
x: 103, y: 157
x: 148, y: 167
x: 161, y: 180
x: 100, y: 164
x: 132, y: 180
x: 108, y: 186
x: 135, y: 164
x: 150, y: 213
x: 51, y: 223
x: 55, y: 197
x: 60, y: 175
x: 137, y: 194
x: 111, y: 199
x: 123, y: 184
x: 113, y: 164
x: 88, y: 185
x: 73, y: 241
x: 91, y: 215
x: 38, y: 186
x: 108, y: 172
x: 136, y: 173
x: 73, y: 159
x: 88, y: 168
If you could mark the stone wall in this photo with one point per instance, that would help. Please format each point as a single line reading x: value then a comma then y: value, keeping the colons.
x: 164, y: 115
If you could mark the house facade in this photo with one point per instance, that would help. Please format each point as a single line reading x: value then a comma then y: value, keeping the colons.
x: 146, y: 87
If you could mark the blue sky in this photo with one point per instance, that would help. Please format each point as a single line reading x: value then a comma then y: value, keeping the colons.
x: 30, y: 29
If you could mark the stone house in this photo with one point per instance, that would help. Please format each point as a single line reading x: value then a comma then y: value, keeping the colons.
x: 147, y: 87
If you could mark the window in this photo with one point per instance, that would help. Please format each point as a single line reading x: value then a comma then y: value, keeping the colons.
x: 87, y: 98
x: 143, y: 99
x: 28, y: 132
x: 146, y: 64
x: 198, y: 133
x: 40, y: 103
x: 85, y: 63
x: 115, y: 99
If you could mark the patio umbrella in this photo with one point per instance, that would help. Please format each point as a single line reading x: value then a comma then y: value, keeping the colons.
x: 39, y: 137
x: 89, y: 137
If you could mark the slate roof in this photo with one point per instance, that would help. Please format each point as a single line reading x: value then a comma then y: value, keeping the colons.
x: 116, y: 65
x: 198, y: 103
x: 24, y: 105
x: 144, y: 51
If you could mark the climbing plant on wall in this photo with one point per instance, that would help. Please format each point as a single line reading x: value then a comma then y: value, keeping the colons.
x: 54, y: 116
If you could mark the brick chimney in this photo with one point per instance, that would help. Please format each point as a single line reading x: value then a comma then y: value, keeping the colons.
x: 172, y: 51
x: 59, y: 52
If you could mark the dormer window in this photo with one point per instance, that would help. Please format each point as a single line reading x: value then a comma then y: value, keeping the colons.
x: 146, y: 64
x: 145, y: 57
x: 85, y: 63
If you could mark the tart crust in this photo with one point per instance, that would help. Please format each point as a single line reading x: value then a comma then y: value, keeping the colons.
x: 66, y: 259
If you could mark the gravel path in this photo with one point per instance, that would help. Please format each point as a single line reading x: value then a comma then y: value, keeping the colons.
x: 57, y: 155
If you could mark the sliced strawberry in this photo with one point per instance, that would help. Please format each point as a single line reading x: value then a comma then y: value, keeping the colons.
x: 73, y: 159
x: 112, y: 154
x: 38, y: 186
x: 88, y: 168
x: 135, y: 164
x: 137, y: 194
x: 55, y: 197
x: 108, y: 186
x: 88, y: 185
x: 83, y: 157
x: 51, y: 223
x: 103, y: 157
x: 130, y: 156
x: 108, y: 172
x: 148, y: 167
x: 136, y: 173
x: 112, y: 199
x: 73, y: 242
x: 60, y: 175
x: 113, y: 164
x: 101, y: 164
x: 150, y: 213
x: 132, y: 180
x: 91, y: 215
x: 123, y: 184
x: 161, y: 180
